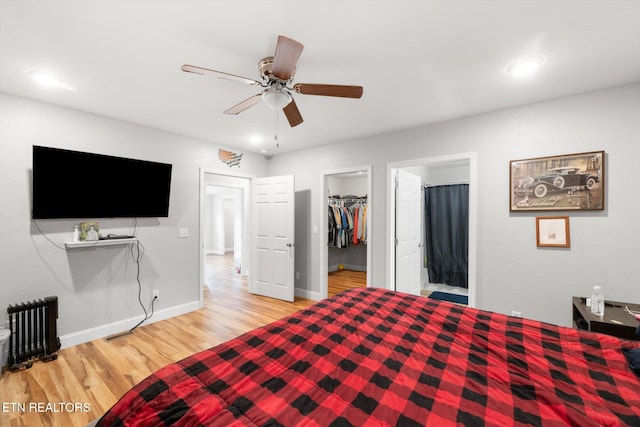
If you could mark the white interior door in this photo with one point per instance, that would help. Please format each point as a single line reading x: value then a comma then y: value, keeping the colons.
x: 408, y: 195
x: 272, y: 273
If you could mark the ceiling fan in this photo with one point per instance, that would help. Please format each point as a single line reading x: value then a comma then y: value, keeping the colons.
x: 277, y: 73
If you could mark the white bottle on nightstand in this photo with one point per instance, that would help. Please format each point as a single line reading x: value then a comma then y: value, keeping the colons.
x: 597, y: 301
x: 76, y: 234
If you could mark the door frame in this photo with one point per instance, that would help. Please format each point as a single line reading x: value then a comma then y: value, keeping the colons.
x: 324, y: 227
x: 473, y: 213
x: 247, y: 222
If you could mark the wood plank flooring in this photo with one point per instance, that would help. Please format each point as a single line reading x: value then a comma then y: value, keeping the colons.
x: 96, y: 374
x: 99, y: 372
x: 340, y: 281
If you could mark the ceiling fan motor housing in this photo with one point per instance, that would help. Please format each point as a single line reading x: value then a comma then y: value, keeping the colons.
x: 265, y: 65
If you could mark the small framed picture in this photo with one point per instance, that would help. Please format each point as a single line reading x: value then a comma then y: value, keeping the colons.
x: 89, y: 231
x: 553, y: 231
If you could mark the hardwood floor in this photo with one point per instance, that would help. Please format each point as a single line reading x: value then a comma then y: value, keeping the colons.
x: 95, y: 374
x: 340, y: 281
x: 91, y: 377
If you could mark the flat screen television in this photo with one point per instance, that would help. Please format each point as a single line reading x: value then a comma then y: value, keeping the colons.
x: 74, y: 184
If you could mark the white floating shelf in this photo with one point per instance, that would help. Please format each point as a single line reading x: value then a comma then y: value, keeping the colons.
x: 105, y: 242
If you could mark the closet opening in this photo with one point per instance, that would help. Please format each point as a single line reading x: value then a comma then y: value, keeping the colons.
x: 346, y: 233
x: 347, y: 236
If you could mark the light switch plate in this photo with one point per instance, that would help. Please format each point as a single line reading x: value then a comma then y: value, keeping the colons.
x: 184, y: 232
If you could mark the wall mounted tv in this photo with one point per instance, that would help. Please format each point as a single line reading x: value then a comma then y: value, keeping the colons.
x: 73, y: 184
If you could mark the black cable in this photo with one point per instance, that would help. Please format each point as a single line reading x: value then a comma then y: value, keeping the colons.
x: 137, y: 258
x: 46, y: 237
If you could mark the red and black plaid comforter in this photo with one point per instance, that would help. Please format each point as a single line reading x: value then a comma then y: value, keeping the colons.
x: 372, y: 357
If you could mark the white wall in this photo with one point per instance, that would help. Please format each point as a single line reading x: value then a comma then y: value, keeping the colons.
x: 228, y: 206
x: 347, y: 186
x: 513, y: 274
x: 216, y: 238
x: 97, y: 288
x: 217, y: 226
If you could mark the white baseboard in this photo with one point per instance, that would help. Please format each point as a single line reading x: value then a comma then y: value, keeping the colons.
x: 303, y: 293
x: 214, y: 252
x: 91, y: 334
x: 352, y: 267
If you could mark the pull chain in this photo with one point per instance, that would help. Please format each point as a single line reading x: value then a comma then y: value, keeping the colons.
x: 275, y: 137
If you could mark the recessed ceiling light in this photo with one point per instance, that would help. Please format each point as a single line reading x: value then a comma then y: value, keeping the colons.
x: 526, y: 67
x: 49, y: 80
x: 255, y: 139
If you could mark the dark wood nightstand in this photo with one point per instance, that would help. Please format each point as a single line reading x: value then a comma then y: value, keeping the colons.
x: 615, y: 321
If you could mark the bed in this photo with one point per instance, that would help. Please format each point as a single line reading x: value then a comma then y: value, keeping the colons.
x: 373, y: 357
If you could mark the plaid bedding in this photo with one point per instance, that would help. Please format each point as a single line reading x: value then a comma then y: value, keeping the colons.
x: 372, y: 357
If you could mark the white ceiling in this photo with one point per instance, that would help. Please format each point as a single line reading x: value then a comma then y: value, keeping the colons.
x: 420, y: 62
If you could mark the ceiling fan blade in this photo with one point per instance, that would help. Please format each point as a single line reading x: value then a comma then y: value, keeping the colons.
x: 205, y: 71
x: 328, y: 90
x: 249, y: 102
x: 292, y: 113
x: 286, y: 57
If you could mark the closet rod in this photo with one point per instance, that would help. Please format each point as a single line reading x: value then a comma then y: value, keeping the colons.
x: 348, y: 198
x: 463, y: 181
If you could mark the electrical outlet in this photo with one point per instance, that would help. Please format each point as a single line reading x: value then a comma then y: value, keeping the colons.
x: 516, y: 313
x: 156, y: 294
x: 183, y: 232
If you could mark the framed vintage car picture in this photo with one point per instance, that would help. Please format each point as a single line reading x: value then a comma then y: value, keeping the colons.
x: 557, y: 183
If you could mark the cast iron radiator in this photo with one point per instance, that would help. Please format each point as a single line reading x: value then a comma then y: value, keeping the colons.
x: 34, y: 332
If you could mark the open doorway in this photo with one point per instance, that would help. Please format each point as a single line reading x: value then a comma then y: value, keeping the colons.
x: 345, y: 245
x: 266, y: 208
x: 439, y: 171
x: 225, y: 225
x: 223, y: 215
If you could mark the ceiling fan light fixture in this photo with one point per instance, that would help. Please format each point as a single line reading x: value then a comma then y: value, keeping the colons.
x: 275, y: 98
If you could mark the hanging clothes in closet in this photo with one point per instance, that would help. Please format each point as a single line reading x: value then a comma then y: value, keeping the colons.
x: 347, y: 219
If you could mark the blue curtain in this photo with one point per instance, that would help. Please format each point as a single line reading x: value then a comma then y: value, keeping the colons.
x: 447, y: 234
